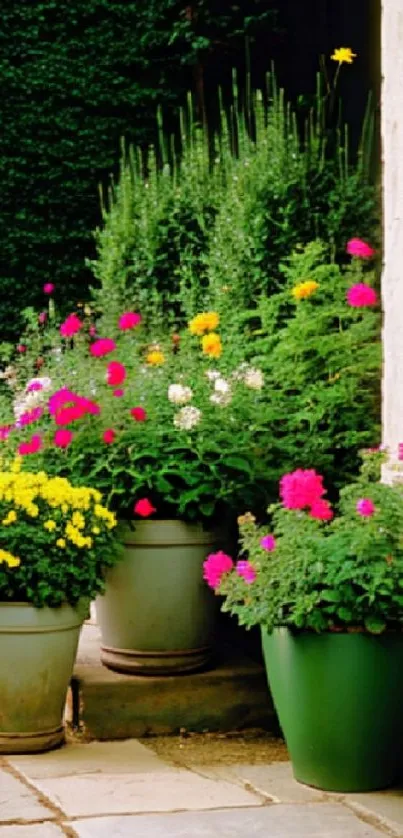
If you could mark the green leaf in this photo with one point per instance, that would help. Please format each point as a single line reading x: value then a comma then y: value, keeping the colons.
x: 375, y: 625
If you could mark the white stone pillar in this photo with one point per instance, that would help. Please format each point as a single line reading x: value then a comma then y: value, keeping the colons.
x: 392, y: 281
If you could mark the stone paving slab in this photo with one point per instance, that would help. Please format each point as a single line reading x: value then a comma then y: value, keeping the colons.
x: 386, y: 805
x: 278, y: 821
x: 275, y: 781
x: 17, y: 802
x: 126, y: 757
x: 40, y: 830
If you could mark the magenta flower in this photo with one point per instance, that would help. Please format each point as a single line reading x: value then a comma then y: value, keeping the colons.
x: 103, y: 346
x: 144, y: 508
x: 48, y: 288
x: 118, y: 393
x: 400, y: 451
x: 34, y: 386
x: 138, y: 414
x: 129, y: 320
x: 5, y: 431
x: 71, y: 326
x: 361, y: 296
x: 357, y: 247
x: 301, y: 488
x: 21, y: 348
x: 108, y: 436
x: 116, y: 373
x: 365, y: 507
x: 31, y: 447
x: 42, y: 317
x: 63, y: 438
x: 30, y: 416
x: 92, y: 331
x: 322, y: 510
x: 268, y: 542
x: 215, y: 566
x: 246, y: 571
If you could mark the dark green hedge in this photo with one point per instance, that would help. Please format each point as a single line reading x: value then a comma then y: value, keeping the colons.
x: 75, y: 76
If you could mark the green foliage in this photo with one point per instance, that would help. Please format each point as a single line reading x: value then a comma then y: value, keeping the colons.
x: 76, y: 75
x: 225, y: 216
x: 337, y: 576
x: 56, y: 541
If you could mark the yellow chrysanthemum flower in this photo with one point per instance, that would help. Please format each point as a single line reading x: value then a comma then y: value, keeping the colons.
x: 96, y: 530
x: 305, y: 289
x: 61, y: 542
x: 10, y: 518
x: 205, y: 322
x: 9, y: 559
x: 50, y: 525
x: 344, y: 55
x: 155, y: 358
x: 211, y: 345
x: 78, y: 520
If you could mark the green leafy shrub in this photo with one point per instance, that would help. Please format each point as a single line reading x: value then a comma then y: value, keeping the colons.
x: 314, y: 575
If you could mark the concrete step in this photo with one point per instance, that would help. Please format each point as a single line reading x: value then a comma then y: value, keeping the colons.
x: 105, y: 705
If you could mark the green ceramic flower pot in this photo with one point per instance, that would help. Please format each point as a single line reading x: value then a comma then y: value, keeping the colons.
x: 158, y: 616
x: 37, y: 652
x: 339, y: 699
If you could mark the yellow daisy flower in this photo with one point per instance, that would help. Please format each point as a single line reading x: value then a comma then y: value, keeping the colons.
x: 305, y: 289
x: 9, y: 559
x: 49, y: 525
x: 211, y: 345
x: 61, y: 542
x: 205, y: 322
x: 155, y: 358
x: 344, y: 55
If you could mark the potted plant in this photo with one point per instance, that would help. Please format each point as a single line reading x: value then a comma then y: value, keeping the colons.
x: 327, y: 592
x: 170, y: 429
x: 56, y: 541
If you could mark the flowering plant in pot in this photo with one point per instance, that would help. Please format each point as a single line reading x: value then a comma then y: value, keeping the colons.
x: 327, y: 591
x: 56, y: 542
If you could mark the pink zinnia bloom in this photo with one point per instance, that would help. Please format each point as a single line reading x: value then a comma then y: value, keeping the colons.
x: 129, y: 320
x: 71, y: 326
x: 118, y: 393
x: 365, y: 507
x: 31, y: 447
x: 92, y: 331
x: 138, y: 414
x: 5, y: 431
x: 42, y: 317
x: 357, y: 247
x: 21, y: 348
x: 247, y: 571
x: 63, y: 438
x: 215, y: 566
x: 34, y: 386
x: 144, y: 508
x: 268, y: 542
x: 60, y: 398
x: 301, y: 488
x: 48, y: 288
x: 116, y: 373
x: 109, y: 435
x: 361, y: 295
x: 322, y: 510
x: 102, y: 347
x: 30, y: 416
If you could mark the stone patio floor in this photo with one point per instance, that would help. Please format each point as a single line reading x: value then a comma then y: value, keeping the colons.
x: 124, y: 790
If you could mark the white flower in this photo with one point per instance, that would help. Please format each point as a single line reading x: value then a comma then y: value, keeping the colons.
x: 222, y: 386
x: 212, y: 375
x: 222, y: 399
x: 254, y: 378
x: 187, y: 418
x: 179, y: 394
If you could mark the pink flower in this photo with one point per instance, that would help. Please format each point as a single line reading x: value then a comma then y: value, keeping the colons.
x: 361, y: 295
x: 5, y: 431
x: 92, y: 331
x: 247, y: 571
x: 48, y: 288
x: 116, y: 373
x: 103, y: 346
x: 357, y: 247
x: 268, y: 542
x: 400, y: 451
x: 129, y: 320
x: 31, y: 447
x: 322, y: 510
x: 108, y: 436
x: 67, y: 406
x: 144, y: 508
x: 215, y: 566
x: 21, y: 348
x: 138, y: 414
x: 30, y: 416
x: 42, y: 317
x: 34, y: 386
x: 118, y: 393
x: 71, y: 326
x: 365, y: 507
x: 301, y: 488
x: 63, y: 438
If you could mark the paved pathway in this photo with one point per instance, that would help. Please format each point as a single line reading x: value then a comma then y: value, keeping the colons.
x: 123, y: 790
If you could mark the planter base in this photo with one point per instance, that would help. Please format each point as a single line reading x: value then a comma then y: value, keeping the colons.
x: 31, y: 743
x: 135, y: 662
